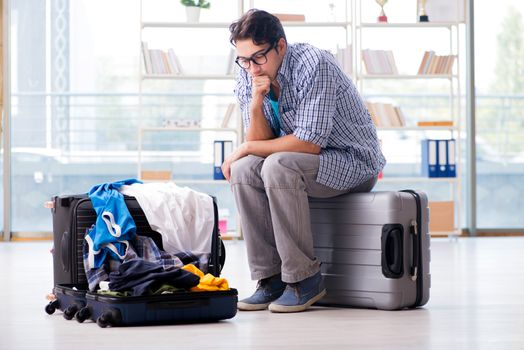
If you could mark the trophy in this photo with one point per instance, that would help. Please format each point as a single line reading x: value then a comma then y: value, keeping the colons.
x: 422, y: 15
x: 382, y: 18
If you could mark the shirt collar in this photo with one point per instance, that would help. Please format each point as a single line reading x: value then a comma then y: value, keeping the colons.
x: 284, y: 71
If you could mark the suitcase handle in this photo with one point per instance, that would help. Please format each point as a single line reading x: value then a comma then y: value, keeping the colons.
x: 416, y: 250
x: 392, y: 250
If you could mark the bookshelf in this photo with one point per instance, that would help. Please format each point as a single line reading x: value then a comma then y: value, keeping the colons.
x: 184, y: 154
x: 345, y: 31
x: 446, y: 88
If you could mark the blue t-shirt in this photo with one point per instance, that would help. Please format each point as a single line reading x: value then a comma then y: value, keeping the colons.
x: 276, y: 118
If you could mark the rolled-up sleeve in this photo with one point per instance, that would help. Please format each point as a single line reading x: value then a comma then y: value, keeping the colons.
x: 316, y: 109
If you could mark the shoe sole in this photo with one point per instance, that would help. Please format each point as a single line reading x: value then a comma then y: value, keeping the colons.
x: 296, y: 308
x: 251, y: 307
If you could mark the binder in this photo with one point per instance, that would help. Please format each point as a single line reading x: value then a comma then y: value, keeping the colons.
x: 429, y: 158
x: 452, y: 170
x: 222, y: 149
x: 442, y: 158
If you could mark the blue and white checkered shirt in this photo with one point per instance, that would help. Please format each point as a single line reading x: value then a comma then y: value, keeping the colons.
x: 318, y: 103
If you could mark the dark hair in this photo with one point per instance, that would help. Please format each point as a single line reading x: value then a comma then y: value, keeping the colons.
x: 259, y: 26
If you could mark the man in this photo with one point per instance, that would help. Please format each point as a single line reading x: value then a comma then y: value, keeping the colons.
x: 307, y: 134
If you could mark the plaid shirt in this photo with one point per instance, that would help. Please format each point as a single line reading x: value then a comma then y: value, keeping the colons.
x: 318, y: 103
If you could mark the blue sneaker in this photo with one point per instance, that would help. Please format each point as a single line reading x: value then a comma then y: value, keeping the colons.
x: 268, y: 290
x: 299, y: 296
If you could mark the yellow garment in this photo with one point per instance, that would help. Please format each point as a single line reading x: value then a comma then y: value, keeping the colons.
x: 208, y: 283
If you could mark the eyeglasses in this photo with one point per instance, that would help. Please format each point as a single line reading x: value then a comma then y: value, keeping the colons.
x: 258, y: 58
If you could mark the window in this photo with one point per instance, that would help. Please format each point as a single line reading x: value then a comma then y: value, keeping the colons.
x: 499, y: 113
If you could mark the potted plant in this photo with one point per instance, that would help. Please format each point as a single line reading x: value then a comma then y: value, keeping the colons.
x: 193, y: 8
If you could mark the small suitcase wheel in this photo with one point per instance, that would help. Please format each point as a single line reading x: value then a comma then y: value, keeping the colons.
x: 70, y: 312
x: 83, y: 314
x: 104, y: 320
x: 51, y: 307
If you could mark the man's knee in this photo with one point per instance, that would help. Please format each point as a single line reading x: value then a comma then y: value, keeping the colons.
x: 278, y: 171
x: 243, y: 168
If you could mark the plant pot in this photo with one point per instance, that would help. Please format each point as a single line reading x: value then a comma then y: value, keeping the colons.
x: 192, y: 14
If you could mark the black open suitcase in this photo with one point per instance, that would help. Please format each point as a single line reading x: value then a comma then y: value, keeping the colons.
x: 72, y: 216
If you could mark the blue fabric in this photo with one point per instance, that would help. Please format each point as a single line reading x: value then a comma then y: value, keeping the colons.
x: 140, y: 276
x: 114, y: 223
x: 276, y: 115
x: 319, y: 103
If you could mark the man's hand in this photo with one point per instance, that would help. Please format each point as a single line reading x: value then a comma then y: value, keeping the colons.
x: 260, y: 87
x: 240, y: 152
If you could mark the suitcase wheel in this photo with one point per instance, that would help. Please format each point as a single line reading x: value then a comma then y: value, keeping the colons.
x: 83, y: 314
x: 70, y: 312
x: 51, y: 307
x: 104, y: 320
x: 110, y: 317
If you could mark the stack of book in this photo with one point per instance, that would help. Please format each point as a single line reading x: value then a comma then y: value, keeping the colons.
x: 386, y: 114
x: 379, y: 61
x: 435, y: 64
x: 160, y: 62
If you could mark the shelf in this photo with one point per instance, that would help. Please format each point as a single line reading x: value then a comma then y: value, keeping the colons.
x: 226, y: 25
x: 445, y: 233
x: 407, y: 76
x: 409, y: 25
x: 177, y: 129
x: 188, y: 76
x: 315, y: 24
x: 185, y: 25
x: 189, y: 181
x: 418, y: 179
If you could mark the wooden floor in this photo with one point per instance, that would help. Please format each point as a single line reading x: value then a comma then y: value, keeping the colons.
x: 477, y: 302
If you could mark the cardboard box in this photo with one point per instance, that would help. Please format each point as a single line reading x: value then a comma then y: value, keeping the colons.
x: 441, y: 216
x: 155, y: 175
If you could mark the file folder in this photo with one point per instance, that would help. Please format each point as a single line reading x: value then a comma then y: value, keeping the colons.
x: 442, y: 158
x: 222, y: 149
x: 429, y: 158
x: 452, y: 170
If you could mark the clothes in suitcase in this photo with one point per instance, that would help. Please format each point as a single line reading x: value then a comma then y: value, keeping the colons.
x: 72, y: 217
x: 374, y: 248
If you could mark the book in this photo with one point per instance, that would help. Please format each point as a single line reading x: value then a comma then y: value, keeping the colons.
x: 422, y: 66
x: 379, y: 61
x: 290, y: 17
x: 147, y: 58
